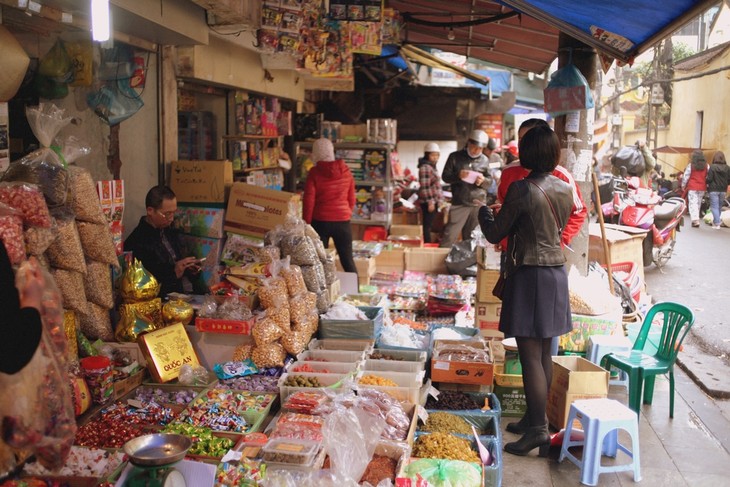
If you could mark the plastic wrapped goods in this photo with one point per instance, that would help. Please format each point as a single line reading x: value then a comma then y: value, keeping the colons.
x: 96, y: 323
x: 97, y: 243
x: 44, y: 166
x: 38, y: 239
x: 28, y: 200
x: 98, y: 284
x: 86, y: 205
x: 268, y: 355
x: 11, y: 234
x: 66, y: 252
x: 71, y: 285
x: 137, y: 318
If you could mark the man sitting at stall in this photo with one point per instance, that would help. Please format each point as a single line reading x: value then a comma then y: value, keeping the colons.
x: 158, y: 246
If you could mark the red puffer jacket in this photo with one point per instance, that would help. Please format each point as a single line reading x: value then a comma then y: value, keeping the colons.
x: 329, y: 194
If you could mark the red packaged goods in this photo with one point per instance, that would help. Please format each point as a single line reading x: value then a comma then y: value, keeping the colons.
x: 11, y: 233
x: 27, y: 199
x: 305, y: 401
x: 297, y: 431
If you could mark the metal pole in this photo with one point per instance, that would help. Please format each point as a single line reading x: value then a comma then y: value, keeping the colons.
x: 606, y: 251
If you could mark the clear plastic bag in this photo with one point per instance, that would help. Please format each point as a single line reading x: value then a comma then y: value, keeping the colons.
x: 85, y: 200
x: 233, y: 309
x: 300, y: 249
x: 114, y: 101
x: 43, y: 167
x: 11, y: 233
x: 28, y: 200
x: 38, y: 239
x: 266, y: 331
x: 66, y: 251
x: 292, y: 274
x: 301, y: 306
x: 36, y: 402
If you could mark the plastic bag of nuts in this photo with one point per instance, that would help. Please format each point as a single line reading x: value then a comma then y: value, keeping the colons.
x: 98, y: 284
x: 266, y: 331
x: 308, y: 324
x: 71, y: 285
x: 302, y: 305
x: 28, y: 200
x: 85, y: 200
x: 66, y: 252
x: 268, y: 355
x: 314, y: 277
x: 96, y: 323
x: 300, y: 249
x: 273, y: 292
x: 323, y: 302
x: 330, y: 270
x: 294, y: 342
x: 292, y: 274
x: 242, y: 352
x: 97, y: 243
x: 281, y: 316
x: 38, y: 239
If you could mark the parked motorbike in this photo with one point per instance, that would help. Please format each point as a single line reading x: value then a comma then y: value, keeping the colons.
x: 643, y: 208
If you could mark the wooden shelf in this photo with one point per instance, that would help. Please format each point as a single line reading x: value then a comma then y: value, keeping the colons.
x: 251, y: 137
x: 253, y: 169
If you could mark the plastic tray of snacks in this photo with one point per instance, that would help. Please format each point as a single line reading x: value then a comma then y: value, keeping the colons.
x: 393, y: 366
x: 408, y: 387
x: 484, y: 424
x: 492, y: 472
x: 322, y: 367
x: 397, y: 355
x: 354, y: 329
x: 332, y: 381
x: 340, y: 344
x: 172, y: 396
x: 229, y: 411
x: 346, y: 356
x: 283, y: 451
x: 481, y: 399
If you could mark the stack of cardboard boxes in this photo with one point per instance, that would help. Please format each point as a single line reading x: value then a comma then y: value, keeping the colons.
x: 488, y: 307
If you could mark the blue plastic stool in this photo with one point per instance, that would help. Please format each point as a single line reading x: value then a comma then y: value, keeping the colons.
x: 601, y: 420
x: 600, y: 345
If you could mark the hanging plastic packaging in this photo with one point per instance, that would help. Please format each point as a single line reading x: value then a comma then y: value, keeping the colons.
x: 568, y: 91
x: 44, y: 167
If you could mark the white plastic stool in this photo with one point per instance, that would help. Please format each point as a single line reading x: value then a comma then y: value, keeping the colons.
x: 601, y: 420
x: 600, y: 345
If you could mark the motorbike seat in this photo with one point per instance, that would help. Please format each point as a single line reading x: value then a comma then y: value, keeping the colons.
x: 666, y: 211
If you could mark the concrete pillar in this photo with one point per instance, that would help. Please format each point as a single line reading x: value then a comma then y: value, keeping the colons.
x: 576, y: 136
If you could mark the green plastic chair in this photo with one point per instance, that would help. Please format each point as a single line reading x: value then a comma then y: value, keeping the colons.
x: 642, y: 368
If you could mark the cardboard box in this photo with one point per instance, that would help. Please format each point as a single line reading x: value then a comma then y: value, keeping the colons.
x: 253, y: 210
x: 586, y: 326
x: 234, y: 327
x: 125, y: 386
x: 489, y: 257
x: 365, y: 266
x: 429, y: 260
x: 407, y: 235
x: 511, y: 398
x: 486, y: 279
x: 406, y: 217
x: 486, y: 319
x: 573, y: 378
x: 200, y: 221
x: 624, y: 245
x: 201, y: 181
x: 478, y: 372
x: 391, y: 261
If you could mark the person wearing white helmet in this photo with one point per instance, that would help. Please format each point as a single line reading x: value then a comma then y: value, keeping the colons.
x: 429, y: 192
x: 467, y: 171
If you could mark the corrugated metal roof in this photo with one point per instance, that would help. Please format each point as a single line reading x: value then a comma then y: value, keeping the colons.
x: 702, y: 58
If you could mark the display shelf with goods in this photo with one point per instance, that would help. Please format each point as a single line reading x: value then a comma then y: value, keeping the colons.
x: 256, y: 159
x: 196, y: 135
x: 370, y: 165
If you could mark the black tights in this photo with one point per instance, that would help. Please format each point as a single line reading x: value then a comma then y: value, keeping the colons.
x: 537, y: 373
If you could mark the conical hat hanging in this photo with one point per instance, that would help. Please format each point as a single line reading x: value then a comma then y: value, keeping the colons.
x: 13, y: 65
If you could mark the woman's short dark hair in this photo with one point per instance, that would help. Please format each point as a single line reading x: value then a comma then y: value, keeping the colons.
x: 156, y: 195
x: 531, y: 123
x: 540, y: 149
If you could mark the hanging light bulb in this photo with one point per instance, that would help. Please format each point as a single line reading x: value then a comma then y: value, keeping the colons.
x: 100, y: 25
x: 451, y: 36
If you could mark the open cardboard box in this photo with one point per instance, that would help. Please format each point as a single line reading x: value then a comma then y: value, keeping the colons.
x: 462, y: 372
x: 573, y: 378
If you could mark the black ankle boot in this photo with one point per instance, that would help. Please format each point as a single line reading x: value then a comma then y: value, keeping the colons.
x: 519, y: 427
x: 535, y: 436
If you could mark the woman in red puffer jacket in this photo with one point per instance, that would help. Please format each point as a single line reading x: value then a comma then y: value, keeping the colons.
x: 329, y: 197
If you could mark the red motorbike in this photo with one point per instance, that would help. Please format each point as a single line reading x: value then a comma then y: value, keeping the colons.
x: 643, y: 208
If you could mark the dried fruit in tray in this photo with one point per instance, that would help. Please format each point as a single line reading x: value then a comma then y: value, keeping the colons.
x: 306, y: 368
x: 445, y: 446
x: 253, y: 383
x: 376, y: 380
x: 301, y: 381
x: 416, y: 325
x: 452, y: 401
x: 440, y: 422
x: 380, y: 468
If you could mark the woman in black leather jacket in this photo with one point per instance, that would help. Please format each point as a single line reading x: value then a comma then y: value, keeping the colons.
x: 535, y: 301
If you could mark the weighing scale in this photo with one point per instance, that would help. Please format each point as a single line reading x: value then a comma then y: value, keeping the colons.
x: 153, y: 459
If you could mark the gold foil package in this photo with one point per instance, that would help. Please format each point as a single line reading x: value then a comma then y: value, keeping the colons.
x: 69, y: 328
x: 138, y: 284
x: 177, y: 311
x: 138, y: 318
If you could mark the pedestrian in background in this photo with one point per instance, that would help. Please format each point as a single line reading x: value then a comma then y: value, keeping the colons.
x: 329, y: 197
x: 535, y: 299
x: 466, y: 170
x: 429, y: 191
x: 718, y: 179
x: 694, y: 181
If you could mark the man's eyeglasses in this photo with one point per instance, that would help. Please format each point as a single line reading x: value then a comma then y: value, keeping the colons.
x: 169, y: 215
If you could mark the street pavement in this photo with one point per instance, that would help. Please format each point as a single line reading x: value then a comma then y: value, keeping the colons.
x: 698, y: 276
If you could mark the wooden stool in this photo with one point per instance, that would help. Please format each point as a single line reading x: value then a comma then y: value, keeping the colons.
x: 601, y: 420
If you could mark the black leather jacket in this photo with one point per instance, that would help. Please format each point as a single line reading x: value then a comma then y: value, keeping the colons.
x: 464, y: 193
x: 528, y: 221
